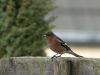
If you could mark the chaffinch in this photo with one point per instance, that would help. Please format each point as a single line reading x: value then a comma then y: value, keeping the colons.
x: 58, y: 45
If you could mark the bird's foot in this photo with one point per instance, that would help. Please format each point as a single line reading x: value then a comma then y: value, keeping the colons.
x: 55, y: 56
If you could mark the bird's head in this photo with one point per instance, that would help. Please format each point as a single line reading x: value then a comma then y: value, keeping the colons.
x: 48, y: 34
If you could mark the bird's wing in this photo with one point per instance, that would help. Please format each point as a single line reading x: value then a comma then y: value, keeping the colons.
x: 64, y: 44
x: 60, y: 40
x: 68, y: 49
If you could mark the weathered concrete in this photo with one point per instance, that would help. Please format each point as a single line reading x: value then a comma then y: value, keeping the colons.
x: 44, y: 66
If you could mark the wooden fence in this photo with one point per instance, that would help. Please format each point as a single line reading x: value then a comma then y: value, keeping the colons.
x: 45, y: 66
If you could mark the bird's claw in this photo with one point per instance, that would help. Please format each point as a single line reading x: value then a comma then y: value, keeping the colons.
x: 53, y: 58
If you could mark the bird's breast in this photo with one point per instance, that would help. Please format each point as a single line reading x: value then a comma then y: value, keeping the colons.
x: 56, y: 46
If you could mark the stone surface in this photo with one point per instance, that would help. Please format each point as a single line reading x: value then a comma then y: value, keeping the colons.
x: 45, y: 66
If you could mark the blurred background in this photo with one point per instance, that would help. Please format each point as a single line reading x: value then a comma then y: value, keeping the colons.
x: 24, y: 22
x: 78, y: 23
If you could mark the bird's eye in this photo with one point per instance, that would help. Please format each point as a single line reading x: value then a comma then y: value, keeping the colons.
x: 46, y: 34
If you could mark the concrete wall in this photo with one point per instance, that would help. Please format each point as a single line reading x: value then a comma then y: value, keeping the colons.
x: 44, y: 66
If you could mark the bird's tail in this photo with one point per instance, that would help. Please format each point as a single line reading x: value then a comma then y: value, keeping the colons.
x: 71, y: 52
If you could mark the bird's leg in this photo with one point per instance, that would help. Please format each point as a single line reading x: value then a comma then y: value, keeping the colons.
x: 54, y: 56
x: 59, y: 55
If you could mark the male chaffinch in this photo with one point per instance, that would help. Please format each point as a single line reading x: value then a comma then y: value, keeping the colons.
x: 58, y: 45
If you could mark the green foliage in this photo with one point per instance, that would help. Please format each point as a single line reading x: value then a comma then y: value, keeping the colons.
x: 22, y: 25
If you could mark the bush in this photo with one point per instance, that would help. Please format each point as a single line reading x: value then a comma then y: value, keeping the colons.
x: 22, y: 25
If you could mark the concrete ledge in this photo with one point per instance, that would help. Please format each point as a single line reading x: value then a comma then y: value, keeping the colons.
x: 44, y: 66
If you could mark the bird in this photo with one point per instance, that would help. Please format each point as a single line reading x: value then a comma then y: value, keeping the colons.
x: 57, y: 45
